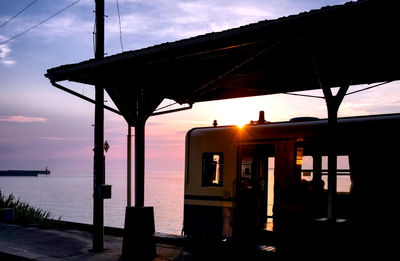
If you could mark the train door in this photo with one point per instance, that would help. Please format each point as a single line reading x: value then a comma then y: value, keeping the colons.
x: 255, y: 191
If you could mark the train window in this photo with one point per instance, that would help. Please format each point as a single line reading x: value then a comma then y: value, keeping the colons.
x: 324, y: 162
x: 246, y: 167
x: 247, y: 162
x: 343, y: 173
x: 270, y: 197
x: 307, y: 168
x: 212, y: 169
x: 343, y: 178
x: 343, y: 162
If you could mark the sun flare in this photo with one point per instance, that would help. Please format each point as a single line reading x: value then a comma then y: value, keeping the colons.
x: 237, y: 112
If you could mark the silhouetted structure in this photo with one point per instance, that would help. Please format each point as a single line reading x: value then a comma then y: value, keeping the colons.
x: 338, y: 46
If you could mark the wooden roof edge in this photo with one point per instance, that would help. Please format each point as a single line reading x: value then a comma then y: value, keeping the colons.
x: 67, y: 69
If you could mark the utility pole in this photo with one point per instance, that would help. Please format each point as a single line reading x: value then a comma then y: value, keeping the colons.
x: 99, y: 162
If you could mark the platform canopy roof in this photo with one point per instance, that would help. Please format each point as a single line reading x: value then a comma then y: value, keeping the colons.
x: 356, y: 41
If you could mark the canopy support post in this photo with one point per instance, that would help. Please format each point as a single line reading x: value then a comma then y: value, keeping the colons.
x: 139, y: 227
x: 333, y: 104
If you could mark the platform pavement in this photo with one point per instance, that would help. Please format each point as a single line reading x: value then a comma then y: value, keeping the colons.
x: 31, y: 243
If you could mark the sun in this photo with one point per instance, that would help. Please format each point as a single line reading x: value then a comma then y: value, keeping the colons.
x: 241, y: 123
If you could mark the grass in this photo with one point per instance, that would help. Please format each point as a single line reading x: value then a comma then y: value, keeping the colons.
x: 24, y: 214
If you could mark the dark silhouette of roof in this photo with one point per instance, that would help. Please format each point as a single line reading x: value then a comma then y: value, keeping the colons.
x: 356, y: 42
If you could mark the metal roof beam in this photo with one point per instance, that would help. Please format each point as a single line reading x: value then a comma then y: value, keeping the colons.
x: 83, y: 97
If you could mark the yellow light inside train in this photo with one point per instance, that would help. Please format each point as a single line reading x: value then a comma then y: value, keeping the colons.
x: 299, y: 156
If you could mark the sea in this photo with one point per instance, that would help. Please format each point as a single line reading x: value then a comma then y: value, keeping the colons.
x: 70, y: 197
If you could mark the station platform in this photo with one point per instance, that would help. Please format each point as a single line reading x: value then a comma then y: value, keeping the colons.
x: 33, y: 243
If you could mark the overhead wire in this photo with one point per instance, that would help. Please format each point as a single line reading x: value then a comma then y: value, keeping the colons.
x: 349, y: 93
x: 26, y: 7
x: 367, y: 88
x: 166, y: 106
x: 304, y: 95
x: 94, y: 36
x: 120, y: 28
x: 38, y: 24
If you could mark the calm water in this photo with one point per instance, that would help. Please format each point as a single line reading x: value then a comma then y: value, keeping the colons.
x: 70, y: 197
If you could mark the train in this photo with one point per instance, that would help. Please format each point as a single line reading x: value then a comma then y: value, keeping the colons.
x: 267, y: 181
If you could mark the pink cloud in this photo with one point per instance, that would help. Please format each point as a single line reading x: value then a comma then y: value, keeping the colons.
x: 21, y: 119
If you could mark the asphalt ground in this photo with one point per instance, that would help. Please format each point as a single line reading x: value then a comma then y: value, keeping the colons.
x: 33, y: 243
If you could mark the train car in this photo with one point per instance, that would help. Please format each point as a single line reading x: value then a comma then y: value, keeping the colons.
x: 268, y: 180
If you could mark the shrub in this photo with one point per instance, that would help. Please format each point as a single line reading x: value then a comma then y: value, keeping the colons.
x: 24, y: 214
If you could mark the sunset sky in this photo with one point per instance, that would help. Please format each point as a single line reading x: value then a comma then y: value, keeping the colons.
x: 43, y: 126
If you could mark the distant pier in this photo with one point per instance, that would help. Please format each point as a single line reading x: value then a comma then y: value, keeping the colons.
x: 24, y: 173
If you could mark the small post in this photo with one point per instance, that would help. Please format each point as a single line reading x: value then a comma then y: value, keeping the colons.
x: 139, y: 148
x: 139, y: 163
x: 129, y: 167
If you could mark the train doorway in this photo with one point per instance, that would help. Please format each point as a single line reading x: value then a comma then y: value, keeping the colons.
x: 255, y: 191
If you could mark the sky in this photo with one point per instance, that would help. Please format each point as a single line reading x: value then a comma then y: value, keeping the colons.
x: 43, y: 126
